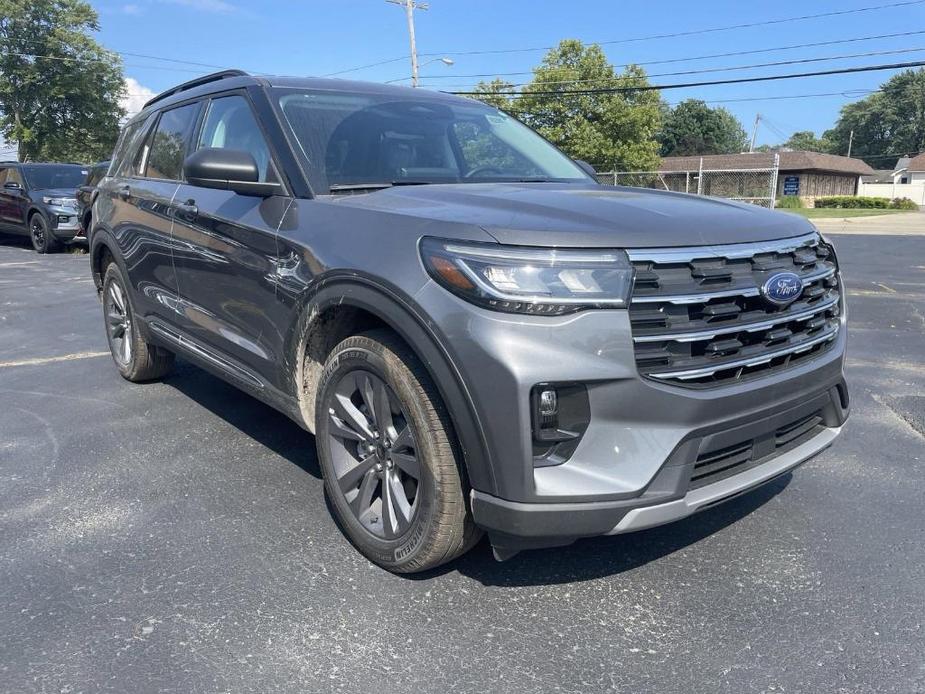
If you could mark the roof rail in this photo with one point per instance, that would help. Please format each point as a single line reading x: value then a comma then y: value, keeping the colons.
x: 214, y: 77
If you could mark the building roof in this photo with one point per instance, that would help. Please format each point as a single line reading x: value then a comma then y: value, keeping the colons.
x: 789, y: 161
x: 902, y: 164
x: 917, y: 163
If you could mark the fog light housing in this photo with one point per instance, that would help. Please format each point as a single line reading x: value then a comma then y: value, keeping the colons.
x: 559, y: 414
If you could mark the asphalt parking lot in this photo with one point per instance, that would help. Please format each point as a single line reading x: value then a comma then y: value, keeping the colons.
x: 173, y: 537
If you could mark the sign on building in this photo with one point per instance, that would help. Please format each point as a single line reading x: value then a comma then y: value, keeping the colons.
x: 791, y: 185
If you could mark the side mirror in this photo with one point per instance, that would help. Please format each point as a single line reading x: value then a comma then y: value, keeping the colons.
x: 227, y: 169
x: 587, y: 168
x: 12, y: 185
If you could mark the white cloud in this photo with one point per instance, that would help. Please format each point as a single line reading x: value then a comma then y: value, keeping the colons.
x: 131, y: 8
x: 135, y: 96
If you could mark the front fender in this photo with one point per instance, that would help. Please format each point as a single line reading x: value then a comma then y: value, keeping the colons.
x: 400, y: 313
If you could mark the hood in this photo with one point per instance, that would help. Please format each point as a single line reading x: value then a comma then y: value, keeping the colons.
x: 578, y: 215
x: 56, y: 192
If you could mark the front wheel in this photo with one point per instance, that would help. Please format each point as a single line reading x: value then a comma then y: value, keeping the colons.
x: 389, y: 456
x: 42, y: 239
x: 136, y: 358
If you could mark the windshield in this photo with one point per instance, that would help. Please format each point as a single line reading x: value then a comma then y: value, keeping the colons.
x: 50, y: 177
x: 353, y: 139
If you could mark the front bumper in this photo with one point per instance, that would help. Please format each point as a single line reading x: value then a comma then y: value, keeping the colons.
x: 634, y: 465
x: 64, y: 223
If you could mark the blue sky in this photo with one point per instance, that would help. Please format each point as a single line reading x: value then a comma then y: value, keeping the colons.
x: 315, y: 37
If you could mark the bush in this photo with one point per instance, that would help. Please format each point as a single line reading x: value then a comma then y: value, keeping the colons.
x: 789, y: 202
x: 853, y: 202
x: 903, y: 204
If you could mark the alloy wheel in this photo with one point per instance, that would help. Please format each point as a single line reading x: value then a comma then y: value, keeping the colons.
x: 119, y: 323
x: 374, y: 456
x: 37, y: 230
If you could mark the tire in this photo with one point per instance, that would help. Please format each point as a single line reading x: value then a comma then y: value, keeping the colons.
x: 39, y: 232
x: 399, y: 493
x: 136, y: 358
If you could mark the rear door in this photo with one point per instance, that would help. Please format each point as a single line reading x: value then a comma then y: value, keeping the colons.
x: 141, y: 217
x: 225, y: 250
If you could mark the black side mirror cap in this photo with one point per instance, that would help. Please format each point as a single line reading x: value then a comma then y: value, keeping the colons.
x: 227, y: 169
x: 587, y: 168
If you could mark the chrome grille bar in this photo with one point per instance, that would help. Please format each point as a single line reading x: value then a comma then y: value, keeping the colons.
x: 704, y: 372
x: 693, y: 336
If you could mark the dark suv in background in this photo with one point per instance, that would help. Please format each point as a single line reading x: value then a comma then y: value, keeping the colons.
x: 41, y: 200
x: 480, y: 336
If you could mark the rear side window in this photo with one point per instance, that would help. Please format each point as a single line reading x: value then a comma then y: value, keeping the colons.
x: 230, y: 124
x: 126, y: 146
x: 168, y: 147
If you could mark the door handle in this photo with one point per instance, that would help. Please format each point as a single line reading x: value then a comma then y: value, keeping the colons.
x: 125, y: 193
x: 188, y: 210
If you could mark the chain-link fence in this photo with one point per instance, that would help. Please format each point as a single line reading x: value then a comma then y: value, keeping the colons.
x: 756, y: 186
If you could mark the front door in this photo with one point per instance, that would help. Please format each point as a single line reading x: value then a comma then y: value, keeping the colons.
x: 225, y: 252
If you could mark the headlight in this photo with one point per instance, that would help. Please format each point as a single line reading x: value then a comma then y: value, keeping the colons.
x: 60, y: 202
x: 519, y: 279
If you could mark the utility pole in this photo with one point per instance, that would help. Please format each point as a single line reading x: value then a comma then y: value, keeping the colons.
x: 410, y: 6
x: 755, y: 132
x: 850, y: 142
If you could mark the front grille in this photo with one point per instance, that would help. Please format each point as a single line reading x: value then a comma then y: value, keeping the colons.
x: 699, y: 318
x: 713, y: 466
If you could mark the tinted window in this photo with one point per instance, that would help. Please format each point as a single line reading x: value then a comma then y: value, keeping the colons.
x: 97, y: 173
x: 13, y: 176
x: 383, y: 138
x: 126, y: 146
x: 169, y: 144
x: 50, y: 177
x: 230, y: 124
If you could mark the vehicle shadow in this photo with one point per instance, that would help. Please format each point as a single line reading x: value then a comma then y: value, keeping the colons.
x: 15, y: 240
x: 257, y: 420
x: 585, y: 560
x: 604, y: 556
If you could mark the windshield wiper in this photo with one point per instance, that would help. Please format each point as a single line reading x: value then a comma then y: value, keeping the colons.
x: 350, y: 187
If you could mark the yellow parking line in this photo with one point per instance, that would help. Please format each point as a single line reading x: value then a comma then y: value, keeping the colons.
x: 52, y: 360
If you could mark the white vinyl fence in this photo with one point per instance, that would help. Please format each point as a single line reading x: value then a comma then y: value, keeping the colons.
x: 756, y: 186
x: 914, y: 191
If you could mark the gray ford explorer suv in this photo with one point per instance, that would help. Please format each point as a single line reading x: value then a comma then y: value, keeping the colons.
x: 40, y: 200
x: 480, y: 336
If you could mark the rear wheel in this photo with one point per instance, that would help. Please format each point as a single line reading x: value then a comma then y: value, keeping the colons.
x: 389, y: 456
x: 42, y: 239
x: 136, y: 358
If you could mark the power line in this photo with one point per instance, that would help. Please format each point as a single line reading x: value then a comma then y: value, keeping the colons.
x: 731, y: 68
x: 695, y: 32
x: 742, y: 80
x: 701, y: 57
x: 70, y: 59
x: 651, y: 37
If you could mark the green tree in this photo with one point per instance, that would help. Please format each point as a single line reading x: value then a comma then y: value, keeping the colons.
x: 806, y: 141
x: 609, y: 130
x: 496, y: 93
x: 692, y: 127
x: 891, y: 120
x: 59, y: 90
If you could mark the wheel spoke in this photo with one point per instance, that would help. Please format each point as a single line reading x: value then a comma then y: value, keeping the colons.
x: 383, y: 409
x: 352, y: 417
x: 361, y: 502
x: 124, y: 349
x: 341, y: 430
x: 403, y: 439
x: 117, y: 298
x: 408, y: 463
x: 114, y: 317
x: 366, y: 392
x: 350, y: 479
x: 388, y: 510
x: 399, y: 502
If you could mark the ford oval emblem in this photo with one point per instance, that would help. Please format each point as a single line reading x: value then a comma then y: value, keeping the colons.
x: 782, y: 288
